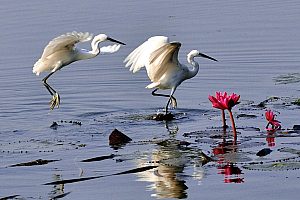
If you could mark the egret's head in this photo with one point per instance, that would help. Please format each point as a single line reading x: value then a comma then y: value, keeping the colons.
x: 196, y: 53
x: 100, y: 38
x: 193, y: 53
x: 103, y: 37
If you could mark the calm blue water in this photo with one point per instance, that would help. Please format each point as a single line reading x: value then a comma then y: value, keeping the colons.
x: 254, y: 41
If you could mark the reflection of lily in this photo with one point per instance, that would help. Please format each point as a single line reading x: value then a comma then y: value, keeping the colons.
x: 224, y: 147
x: 231, y: 173
x: 225, y: 102
x: 270, y: 117
x: 270, y: 139
x: 226, y: 166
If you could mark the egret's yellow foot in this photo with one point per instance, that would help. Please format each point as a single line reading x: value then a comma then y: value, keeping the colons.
x: 55, y: 101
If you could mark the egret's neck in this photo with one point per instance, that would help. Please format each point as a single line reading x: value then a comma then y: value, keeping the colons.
x: 83, y: 54
x: 95, y: 47
x: 195, y: 69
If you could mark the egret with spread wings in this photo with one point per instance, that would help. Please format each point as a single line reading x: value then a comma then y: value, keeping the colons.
x: 160, y: 57
x: 61, y: 51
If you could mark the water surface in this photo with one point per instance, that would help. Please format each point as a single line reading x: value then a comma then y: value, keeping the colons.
x: 255, y: 42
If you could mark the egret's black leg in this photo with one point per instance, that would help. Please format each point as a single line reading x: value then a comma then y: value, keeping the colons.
x: 55, y: 101
x: 47, y: 86
x: 171, y: 98
x: 162, y: 95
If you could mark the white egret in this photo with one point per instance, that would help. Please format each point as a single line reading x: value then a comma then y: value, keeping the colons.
x: 160, y: 57
x: 61, y: 51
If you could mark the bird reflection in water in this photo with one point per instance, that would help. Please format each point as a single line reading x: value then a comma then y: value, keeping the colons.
x: 171, y: 156
x: 164, y: 179
x: 226, y: 153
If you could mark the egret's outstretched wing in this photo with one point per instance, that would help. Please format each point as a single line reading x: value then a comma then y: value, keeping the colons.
x: 163, y: 59
x: 139, y: 57
x: 65, y: 42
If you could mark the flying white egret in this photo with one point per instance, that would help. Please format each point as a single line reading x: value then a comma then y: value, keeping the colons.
x: 61, y: 51
x: 160, y: 57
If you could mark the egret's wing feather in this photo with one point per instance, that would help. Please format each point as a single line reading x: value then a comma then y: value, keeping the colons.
x: 65, y: 41
x: 136, y: 58
x: 163, y: 59
x: 139, y: 57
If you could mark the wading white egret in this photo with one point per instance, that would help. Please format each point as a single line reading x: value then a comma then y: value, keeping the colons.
x: 61, y: 51
x: 160, y: 57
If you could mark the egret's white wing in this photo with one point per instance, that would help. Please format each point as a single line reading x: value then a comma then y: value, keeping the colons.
x: 139, y: 57
x: 163, y: 59
x: 65, y: 41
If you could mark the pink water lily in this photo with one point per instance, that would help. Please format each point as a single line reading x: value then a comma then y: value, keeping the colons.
x: 270, y: 117
x: 225, y: 102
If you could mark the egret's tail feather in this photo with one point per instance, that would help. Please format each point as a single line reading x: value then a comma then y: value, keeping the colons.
x: 153, y: 85
x: 37, y: 67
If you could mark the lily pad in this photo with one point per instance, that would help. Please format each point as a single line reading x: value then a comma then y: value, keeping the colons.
x: 246, y: 116
x: 33, y: 163
x: 9, y: 197
x: 289, y: 150
x: 296, y: 102
x: 287, y: 78
x: 273, y: 166
x: 131, y: 171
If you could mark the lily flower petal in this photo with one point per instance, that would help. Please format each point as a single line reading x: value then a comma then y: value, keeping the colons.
x: 224, y: 101
x: 270, y: 117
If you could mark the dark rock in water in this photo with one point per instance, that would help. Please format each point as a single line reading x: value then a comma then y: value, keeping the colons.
x: 264, y: 152
x: 54, y: 125
x: 163, y: 117
x: 296, y: 127
x: 117, y: 138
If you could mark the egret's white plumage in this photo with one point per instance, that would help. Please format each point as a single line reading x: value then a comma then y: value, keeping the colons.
x: 61, y: 51
x: 160, y: 57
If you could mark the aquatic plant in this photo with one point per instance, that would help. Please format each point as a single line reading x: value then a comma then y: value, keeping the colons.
x: 270, y: 117
x: 224, y: 101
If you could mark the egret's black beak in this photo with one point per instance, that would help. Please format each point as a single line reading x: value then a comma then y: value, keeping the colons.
x: 208, y: 57
x: 113, y: 40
